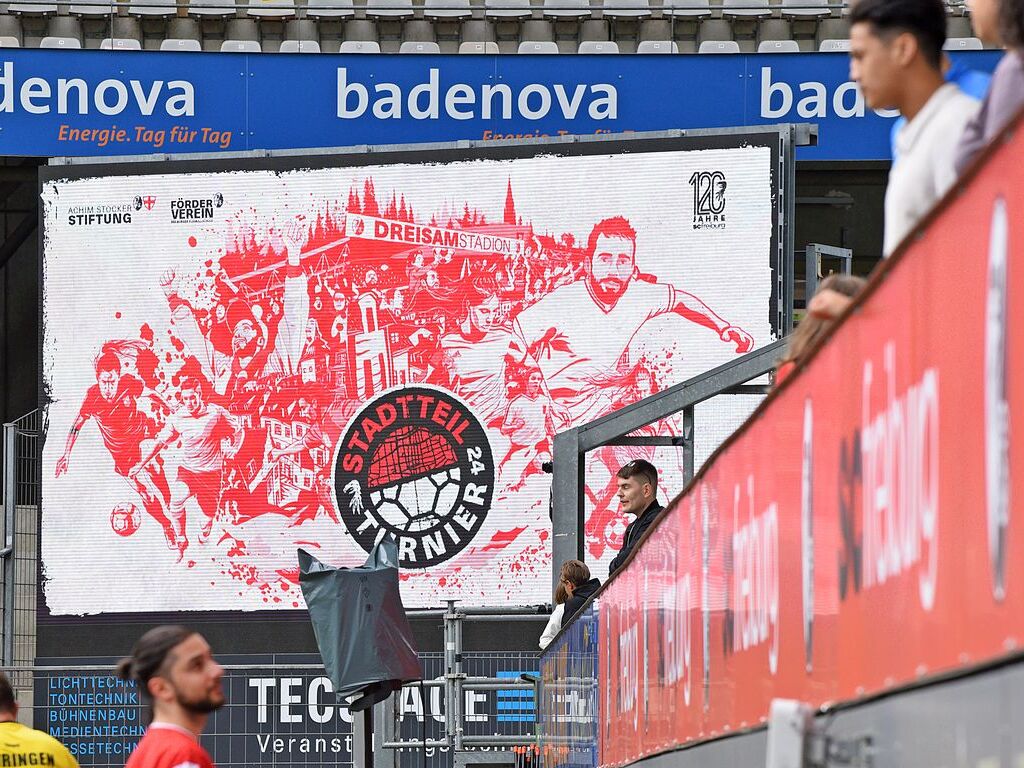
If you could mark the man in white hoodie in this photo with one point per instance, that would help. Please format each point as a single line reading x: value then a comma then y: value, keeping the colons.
x: 896, y: 59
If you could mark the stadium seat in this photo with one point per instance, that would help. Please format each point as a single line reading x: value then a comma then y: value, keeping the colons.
x: 180, y: 44
x: 315, y: 9
x: 410, y: 47
x: 778, y: 46
x: 486, y: 48
x: 240, y: 46
x: 159, y: 8
x: 60, y: 42
x: 832, y: 29
x: 269, y: 9
x: 9, y: 41
x: 359, y: 46
x: 962, y: 44
x: 566, y: 9
x: 657, y: 46
x: 597, y: 47
x: 508, y: 9
x: 446, y: 9
x: 120, y: 44
x: 91, y: 10
x: 691, y: 9
x: 834, y: 46
x: 719, y: 46
x: 213, y: 8
x: 299, y: 46
x: 745, y: 9
x: 389, y: 9
x: 32, y: 9
x: 627, y: 9
x: 477, y: 31
x: 533, y: 47
x: 805, y: 9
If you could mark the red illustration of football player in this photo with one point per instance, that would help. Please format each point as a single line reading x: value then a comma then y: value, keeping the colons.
x: 472, y: 358
x: 625, y: 388
x: 579, y: 331
x: 206, y: 434
x: 528, y: 426
x: 112, y: 403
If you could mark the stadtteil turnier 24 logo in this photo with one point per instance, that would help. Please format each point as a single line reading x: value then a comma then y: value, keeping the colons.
x: 416, y: 463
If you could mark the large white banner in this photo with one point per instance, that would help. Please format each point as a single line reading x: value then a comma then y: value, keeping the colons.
x: 243, y: 363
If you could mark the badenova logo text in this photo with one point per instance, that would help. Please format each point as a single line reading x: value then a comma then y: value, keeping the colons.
x: 76, y: 96
x: 812, y: 99
x: 462, y: 101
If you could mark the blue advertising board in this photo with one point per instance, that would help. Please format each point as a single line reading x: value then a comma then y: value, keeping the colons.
x: 568, y: 697
x: 121, y: 102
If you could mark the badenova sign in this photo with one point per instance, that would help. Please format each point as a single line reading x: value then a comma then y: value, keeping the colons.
x: 119, y: 103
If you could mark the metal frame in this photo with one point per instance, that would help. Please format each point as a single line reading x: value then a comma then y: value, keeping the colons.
x: 455, y: 683
x: 7, y: 553
x: 812, y: 262
x: 570, y: 446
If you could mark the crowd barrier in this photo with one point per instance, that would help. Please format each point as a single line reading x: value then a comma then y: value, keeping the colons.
x: 860, y: 534
x: 279, y: 710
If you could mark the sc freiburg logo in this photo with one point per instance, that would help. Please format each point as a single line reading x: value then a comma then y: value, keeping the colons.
x: 416, y: 463
x: 708, y: 199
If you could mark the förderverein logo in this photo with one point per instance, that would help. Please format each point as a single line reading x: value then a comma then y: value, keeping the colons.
x: 416, y: 463
x: 708, y: 199
x: 187, y: 209
x: 99, y: 215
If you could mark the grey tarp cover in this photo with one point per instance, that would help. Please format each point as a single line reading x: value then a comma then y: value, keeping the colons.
x: 360, y: 624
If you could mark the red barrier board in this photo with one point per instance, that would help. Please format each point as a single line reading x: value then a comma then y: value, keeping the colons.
x: 862, y: 531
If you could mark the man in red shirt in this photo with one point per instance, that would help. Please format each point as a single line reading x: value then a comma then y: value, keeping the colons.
x: 112, y: 402
x: 178, y: 676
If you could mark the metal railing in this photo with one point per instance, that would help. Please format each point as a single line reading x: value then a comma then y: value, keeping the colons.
x: 275, y: 714
x: 287, y: 713
x: 21, y: 449
x: 593, y: 8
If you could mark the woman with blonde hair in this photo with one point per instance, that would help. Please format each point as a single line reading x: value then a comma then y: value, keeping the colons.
x: 833, y: 296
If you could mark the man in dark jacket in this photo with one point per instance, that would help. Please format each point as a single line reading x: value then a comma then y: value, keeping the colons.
x: 638, y: 495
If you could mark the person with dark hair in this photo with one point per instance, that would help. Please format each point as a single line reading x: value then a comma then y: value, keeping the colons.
x: 575, y: 587
x: 179, y: 679
x: 21, y: 745
x: 638, y: 495
x: 561, y: 330
x: 207, y: 434
x: 113, y: 404
x: 997, y: 22
x: 833, y: 296
x: 896, y: 59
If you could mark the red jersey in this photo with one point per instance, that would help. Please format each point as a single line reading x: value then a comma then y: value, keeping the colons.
x: 169, y: 746
x: 122, y: 425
